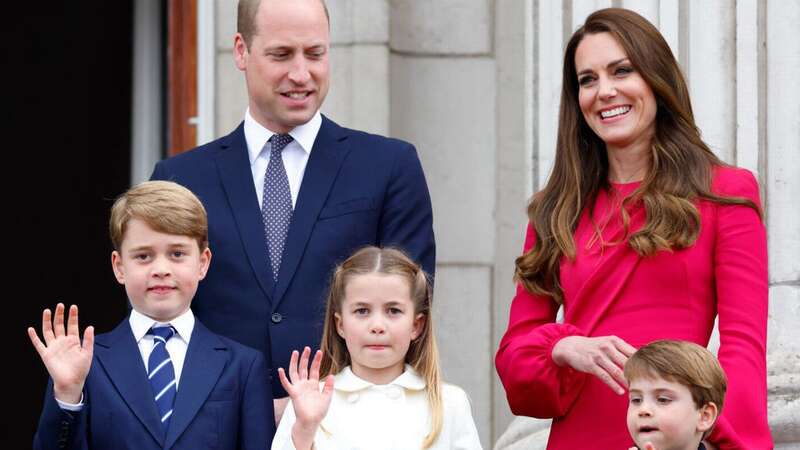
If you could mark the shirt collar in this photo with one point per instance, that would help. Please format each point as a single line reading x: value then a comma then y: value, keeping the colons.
x: 256, y: 135
x: 347, y: 381
x: 141, y: 324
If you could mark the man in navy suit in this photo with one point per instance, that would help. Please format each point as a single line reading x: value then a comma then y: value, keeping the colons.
x: 346, y: 189
x: 160, y: 379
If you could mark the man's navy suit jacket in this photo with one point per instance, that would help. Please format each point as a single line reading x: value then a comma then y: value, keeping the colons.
x: 358, y: 189
x: 222, y: 400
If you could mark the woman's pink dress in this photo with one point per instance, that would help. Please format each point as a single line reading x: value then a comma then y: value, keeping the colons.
x: 610, y: 290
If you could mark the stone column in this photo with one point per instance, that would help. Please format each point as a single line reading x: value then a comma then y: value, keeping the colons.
x: 443, y: 101
x: 782, y: 184
x: 359, y: 94
x: 231, y: 92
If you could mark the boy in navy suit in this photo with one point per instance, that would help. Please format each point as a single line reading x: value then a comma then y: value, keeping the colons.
x: 160, y: 379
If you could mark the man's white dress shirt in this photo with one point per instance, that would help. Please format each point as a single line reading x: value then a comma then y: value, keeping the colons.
x: 295, y: 154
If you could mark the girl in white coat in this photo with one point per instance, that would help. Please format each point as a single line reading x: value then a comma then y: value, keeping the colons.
x: 381, y: 386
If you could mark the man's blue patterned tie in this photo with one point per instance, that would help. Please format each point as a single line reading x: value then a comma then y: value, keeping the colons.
x: 276, y: 207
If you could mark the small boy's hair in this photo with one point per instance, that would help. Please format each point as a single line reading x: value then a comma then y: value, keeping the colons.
x: 164, y: 206
x: 682, y: 362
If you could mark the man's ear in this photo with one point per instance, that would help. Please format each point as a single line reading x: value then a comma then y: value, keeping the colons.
x: 708, y: 415
x: 240, y: 51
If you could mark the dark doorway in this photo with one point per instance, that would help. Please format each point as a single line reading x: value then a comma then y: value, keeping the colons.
x: 71, y: 157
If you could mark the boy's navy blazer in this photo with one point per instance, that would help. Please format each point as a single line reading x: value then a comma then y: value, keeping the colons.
x: 222, y: 400
x: 358, y: 189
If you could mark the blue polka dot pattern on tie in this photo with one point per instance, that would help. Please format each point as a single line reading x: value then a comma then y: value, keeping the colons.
x: 161, y: 373
x: 276, y: 207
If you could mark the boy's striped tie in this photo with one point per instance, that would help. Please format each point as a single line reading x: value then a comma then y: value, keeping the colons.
x: 161, y: 373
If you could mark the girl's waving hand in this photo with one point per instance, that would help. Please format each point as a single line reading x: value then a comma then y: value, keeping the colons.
x: 310, y: 403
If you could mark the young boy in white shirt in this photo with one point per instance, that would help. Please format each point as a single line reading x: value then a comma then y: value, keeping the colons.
x: 160, y: 379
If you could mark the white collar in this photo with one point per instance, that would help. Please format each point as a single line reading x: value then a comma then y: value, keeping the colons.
x: 256, y: 135
x: 347, y: 381
x: 141, y: 324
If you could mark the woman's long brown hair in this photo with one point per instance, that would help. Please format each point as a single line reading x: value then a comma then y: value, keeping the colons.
x: 681, y: 164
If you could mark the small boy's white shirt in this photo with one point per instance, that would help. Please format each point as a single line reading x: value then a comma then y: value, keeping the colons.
x: 393, y: 416
x: 176, y: 346
x: 71, y: 406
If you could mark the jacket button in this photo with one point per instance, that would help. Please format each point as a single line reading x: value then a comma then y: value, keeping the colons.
x: 277, y: 317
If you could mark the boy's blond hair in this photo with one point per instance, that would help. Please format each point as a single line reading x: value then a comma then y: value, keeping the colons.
x: 682, y: 362
x: 164, y: 206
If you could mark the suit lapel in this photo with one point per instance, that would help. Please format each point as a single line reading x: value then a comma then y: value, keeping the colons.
x: 237, y: 179
x: 119, y: 355
x: 323, y: 165
x: 205, y: 360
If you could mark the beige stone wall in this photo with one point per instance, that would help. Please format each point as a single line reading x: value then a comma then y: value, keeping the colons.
x: 443, y: 100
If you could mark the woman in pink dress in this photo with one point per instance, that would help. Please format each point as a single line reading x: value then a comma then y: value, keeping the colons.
x: 641, y: 233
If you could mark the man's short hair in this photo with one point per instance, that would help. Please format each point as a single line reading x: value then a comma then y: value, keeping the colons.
x: 682, y: 362
x: 164, y: 206
x: 246, y: 19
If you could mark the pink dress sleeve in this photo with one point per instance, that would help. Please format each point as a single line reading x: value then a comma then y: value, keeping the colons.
x: 740, y: 266
x: 534, y: 384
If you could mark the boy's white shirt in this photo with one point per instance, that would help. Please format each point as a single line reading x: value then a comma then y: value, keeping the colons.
x: 363, y: 415
x: 176, y: 347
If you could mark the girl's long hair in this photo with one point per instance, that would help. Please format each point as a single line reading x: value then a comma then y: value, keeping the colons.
x: 422, y: 354
x: 681, y: 164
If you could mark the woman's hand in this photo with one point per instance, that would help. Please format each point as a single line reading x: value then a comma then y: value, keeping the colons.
x: 603, y: 357
x: 310, y: 404
x: 66, y: 359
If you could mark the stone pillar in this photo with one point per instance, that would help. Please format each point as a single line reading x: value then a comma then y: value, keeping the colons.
x: 514, y: 159
x: 359, y: 94
x: 231, y: 91
x: 782, y: 185
x: 443, y: 100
